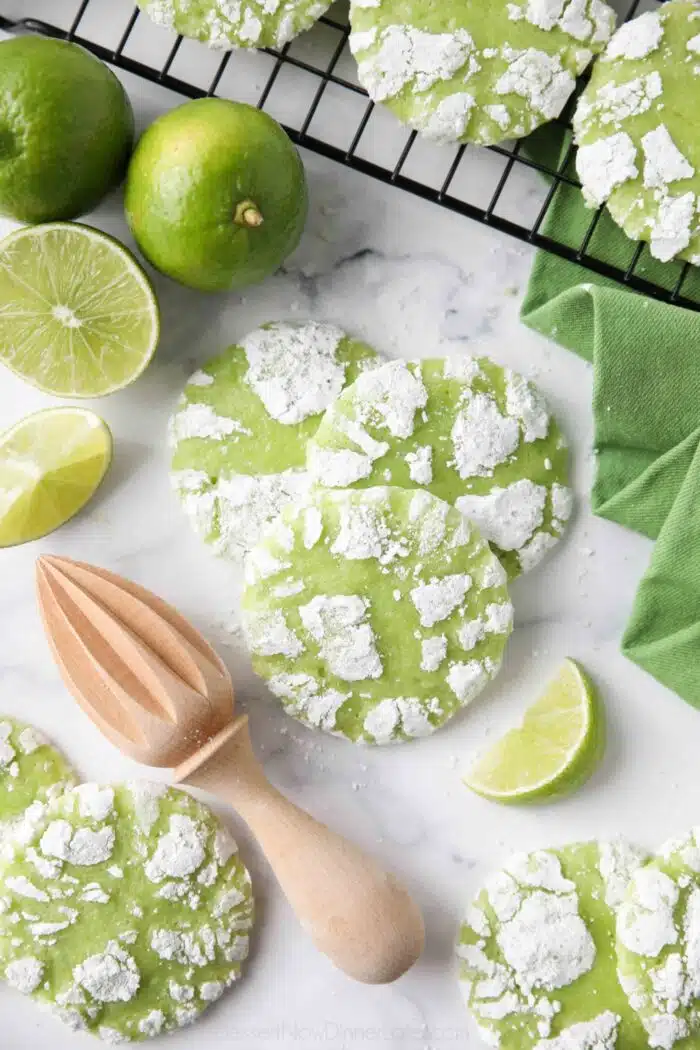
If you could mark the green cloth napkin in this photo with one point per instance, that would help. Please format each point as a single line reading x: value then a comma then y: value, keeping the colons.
x: 646, y: 405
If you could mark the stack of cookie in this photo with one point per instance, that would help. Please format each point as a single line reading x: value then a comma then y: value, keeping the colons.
x: 379, y: 509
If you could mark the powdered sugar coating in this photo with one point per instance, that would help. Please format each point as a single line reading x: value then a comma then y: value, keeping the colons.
x: 370, y: 647
x: 479, y: 436
x: 226, y: 24
x: 31, y: 771
x: 458, y: 73
x: 109, y: 947
x: 537, y: 962
x: 239, y: 440
x: 658, y: 944
x: 635, y: 128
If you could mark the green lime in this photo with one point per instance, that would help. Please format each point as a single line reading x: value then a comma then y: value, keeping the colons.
x: 66, y: 129
x: 51, y: 463
x: 78, y: 316
x: 553, y: 752
x: 216, y: 194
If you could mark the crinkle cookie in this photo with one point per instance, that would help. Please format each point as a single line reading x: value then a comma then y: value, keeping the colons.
x: 31, y: 771
x: 473, y: 433
x: 230, y: 24
x: 240, y: 430
x: 658, y: 944
x: 470, y: 71
x: 537, y: 951
x: 375, y: 615
x: 638, y: 130
x: 124, y: 909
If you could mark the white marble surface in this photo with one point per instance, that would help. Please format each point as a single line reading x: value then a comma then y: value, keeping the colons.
x: 414, y: 281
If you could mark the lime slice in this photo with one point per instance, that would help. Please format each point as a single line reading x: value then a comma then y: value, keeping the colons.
x: 553, y: 752
x: 78, y: 316
x: 51, y: 463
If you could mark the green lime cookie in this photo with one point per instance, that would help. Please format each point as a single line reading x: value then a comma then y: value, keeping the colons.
x: 31, y: 771
x: 240, y: 430
x: 468, y: 431
x: 537, y: 951
x: 658, y: 944
x: 637, y: 126
x: 230, y: 24
x: 375, y: 615
x: 470, y: 71
x: 125, y: 909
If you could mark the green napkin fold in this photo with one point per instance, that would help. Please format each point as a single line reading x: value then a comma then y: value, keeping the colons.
x: 646, y: 405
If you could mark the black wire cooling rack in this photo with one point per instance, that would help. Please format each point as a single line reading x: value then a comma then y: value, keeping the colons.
x: 505, y: 186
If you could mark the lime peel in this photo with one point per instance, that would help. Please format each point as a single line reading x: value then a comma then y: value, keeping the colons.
x: 51, y: 464
x: 553, y: 752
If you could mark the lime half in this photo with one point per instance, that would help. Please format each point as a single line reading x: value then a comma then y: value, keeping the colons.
x: 51, y: 463
x: 78, y: 316
x: 553, y: 752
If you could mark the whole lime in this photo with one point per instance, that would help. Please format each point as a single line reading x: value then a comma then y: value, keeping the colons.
x: 66, y: 129
x: 216, y: 194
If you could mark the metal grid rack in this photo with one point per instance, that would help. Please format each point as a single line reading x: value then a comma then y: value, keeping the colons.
x: 385, y: 152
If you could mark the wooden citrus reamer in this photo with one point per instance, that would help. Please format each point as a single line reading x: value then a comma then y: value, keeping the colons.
x: 157, y: 690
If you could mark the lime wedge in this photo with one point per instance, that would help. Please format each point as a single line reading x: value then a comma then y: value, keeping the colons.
x: 51, y: 463
x: 553, y: 752
x: 78, y: 316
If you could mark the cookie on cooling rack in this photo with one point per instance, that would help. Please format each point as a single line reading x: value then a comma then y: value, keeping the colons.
x: 227, y: 24
x: 470, y: 432
x: 636, y: 128
x: 240, y: 430
x: 467, y: 71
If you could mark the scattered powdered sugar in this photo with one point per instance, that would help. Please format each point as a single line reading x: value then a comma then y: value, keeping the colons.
x: 411, y: 56
x: 562, y: 502
x: 636, y: 39
x: 447, y: 122
x: 578, y: 18
x: 672, y: 227
x: 81, y: 846
x: 466, y: 680
x: 269, y: 634
x: 30, y: 740
x: 464, y: 368
x: 390, y: 396
x: 537, y: 77
x: 110, y: 977
x: 663, y: 161
x: 180, y: 852
x: 338, y: 623
x: 232, y: 511
x: 420, y: 465
x: 363, y: 533
x: 7, y: 751
x: 618, y: 862
x: 605, y: 164
x: 525, y: 403
x: 598, y: 1034
x: 146, y: 796
x: 390, y: 718
x: 433, y: 652
x: 507, y: 517
x: 294, y: 369
x: 482, y: 437
x: 196, y: 420
x: 25, y: 975
x: 94, y: 801
x: 614, y: 103
x: 645, y: 921
x: 437, y: 600
x: 337, y: 468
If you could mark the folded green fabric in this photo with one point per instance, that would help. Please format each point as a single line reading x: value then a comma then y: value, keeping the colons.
x: 646, y: 405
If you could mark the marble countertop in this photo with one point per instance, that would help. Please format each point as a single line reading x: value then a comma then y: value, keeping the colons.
x: 414, y: 281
